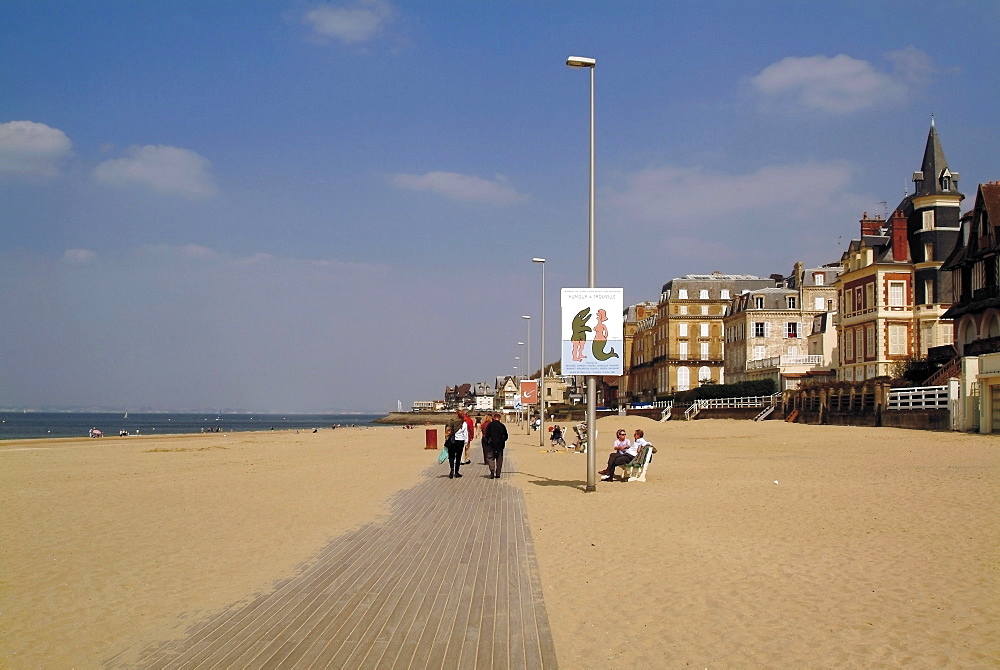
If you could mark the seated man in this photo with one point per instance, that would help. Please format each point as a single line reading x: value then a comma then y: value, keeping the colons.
x: 624, y: 453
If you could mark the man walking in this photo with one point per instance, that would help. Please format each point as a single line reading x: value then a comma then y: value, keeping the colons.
x: 496, y: 440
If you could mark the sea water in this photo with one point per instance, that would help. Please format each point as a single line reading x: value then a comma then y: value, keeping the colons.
x: 26, y: 425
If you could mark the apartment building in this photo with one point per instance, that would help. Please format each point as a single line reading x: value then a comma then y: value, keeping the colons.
x: 773, y: 333
x: 892, y: 293
x: 688, y: 341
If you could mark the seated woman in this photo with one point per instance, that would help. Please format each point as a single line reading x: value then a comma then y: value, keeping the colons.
x: 624, y: 452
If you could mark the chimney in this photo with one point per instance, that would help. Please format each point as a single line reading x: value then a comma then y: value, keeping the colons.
x: 897, y: 227
x: 871, y: 225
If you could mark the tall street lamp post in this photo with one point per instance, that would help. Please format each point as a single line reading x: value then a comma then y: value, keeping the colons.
x: 527, y: 408
x: 591, y: 64
x: 541, y: 377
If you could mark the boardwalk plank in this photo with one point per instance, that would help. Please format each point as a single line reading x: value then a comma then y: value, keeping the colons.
x: 447, y: 580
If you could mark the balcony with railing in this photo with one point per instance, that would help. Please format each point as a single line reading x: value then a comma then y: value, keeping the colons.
x: 811, y: 360
x: 986, y: 345
x: 985, y: 293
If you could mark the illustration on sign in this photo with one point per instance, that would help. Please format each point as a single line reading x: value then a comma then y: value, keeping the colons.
x: 580, y: 308
x: 529, y: 392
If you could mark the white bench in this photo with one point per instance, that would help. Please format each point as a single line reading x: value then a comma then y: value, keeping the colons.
x: 639, y: 464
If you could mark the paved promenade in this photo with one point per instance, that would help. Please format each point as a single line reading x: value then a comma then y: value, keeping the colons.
x: 448, y: 580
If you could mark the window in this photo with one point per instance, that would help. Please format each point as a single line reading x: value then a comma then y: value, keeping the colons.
x: 850, y: 298
x: 704, y: 374
x: 870, y: 334
x: 897, y: 339
x: 682, y: 350
x: 683, y: 379
x: 928, y: 251
x: 758, y: 302
x: 760, y: 329
x: 793, y: 351
x: 848, y: 345
x: 792, y: 329
x: 859, y: 343
x: 682, y: 309
x: 682, y: 294
x: 929, y: 292
x: 703, y: 330
x: 896, y: 289
x: 759, y: 352
x: 818, y: 303
x: 791, y: 302
x: 859, y: 299
x: 928, y: 219
x: 870, y: 295
x: 703, y: 351
x: 682, y: 329
x: 819, y: 278
x: 724, y: 294
x: 703, y: 294
x: 704, y: 309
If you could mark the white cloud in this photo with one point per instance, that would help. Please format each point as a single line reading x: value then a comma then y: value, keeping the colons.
x: 351, y: 25
x: 673, y: 194
x: 461, y: 187
x: 33, y: 148
x: 79, y: 255
x: 164, y: 169
x: 841, y: 85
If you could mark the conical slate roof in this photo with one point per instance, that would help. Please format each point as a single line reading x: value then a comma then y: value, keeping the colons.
x: 936, y: 177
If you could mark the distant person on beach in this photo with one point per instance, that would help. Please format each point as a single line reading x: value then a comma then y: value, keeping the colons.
x: 557, y: 437
x: 455, y: 434
x: 496, y: 438
x: 470, y: 426
x: 624, y: 452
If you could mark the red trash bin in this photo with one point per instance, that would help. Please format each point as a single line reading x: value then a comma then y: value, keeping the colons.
x: 431, y: 438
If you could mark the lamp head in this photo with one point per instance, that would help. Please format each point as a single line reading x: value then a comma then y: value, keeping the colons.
x: 537, y: 260
x: 581, y: 61
x: 525, y: 316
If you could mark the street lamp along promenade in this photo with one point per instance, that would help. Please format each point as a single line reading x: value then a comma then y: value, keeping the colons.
x: 541, y: 377
x: 527, y: 408
x: 591, y: 64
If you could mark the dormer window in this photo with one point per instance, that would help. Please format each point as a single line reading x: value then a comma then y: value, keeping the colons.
x: 758, y: 302
x: 946, y: 180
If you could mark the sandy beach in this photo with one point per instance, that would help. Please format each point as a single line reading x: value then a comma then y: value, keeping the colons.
x: 750, y: 545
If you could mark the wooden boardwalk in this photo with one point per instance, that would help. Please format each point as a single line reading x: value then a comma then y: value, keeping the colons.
x: 448, y: 580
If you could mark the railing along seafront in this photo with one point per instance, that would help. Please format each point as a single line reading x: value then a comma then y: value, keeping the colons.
x: 745, y: 402
x: 922, y: 397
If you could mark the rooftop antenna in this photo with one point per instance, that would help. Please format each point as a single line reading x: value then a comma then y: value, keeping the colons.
x: 884, y: 212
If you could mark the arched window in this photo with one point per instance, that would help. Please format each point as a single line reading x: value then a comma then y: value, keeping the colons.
x: 704, y: 374
x: 683, y: 379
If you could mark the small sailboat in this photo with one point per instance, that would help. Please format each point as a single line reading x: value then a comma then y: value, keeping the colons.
x: 126, y: 415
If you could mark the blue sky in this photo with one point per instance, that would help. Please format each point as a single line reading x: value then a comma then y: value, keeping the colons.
x: 319, y: 206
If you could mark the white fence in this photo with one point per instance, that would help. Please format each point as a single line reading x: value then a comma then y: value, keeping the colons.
x: 745, y: 402
x: 923, y: 397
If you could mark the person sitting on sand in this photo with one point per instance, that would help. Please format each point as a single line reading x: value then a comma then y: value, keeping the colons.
x: 624, y: 452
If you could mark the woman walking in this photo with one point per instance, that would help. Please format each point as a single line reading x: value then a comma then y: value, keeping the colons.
x: 456, y: 433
